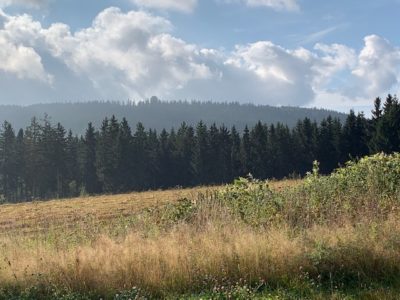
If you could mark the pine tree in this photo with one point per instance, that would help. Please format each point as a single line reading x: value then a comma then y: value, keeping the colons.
x: 125, y: 164
x: 8, y: 175
x: 60, y: 159
x: 377, y: 112
x: 107, y: 155
x: 33, y: 159
x: 386, y: 136
x: 225, y: 156
x: 185, y: 147
x: 152, y: 166
x: 165, y: 161
x: 305, y: 139
x: 245, y: 152
x: 236, y: 164
x: 90, y: 180
x: 260, y: 156
x: 284, y: 147
x: 214, y: 161
x: 72, y: 176
x: 201, y: 154
x: 328, y: 151
x: 140, y: 158
x: 20, y: 165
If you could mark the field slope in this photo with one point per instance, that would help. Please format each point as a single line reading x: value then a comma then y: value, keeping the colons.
x: 325, y: 237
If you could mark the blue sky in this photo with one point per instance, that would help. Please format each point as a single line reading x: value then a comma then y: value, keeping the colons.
x: 334, y: 54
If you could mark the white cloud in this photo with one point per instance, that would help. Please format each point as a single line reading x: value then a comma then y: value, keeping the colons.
x: 284, y: 76
x: 280, y: 5
x: 378, y: 67
x: 132, y: 51
x: 135, y: 55
x: 22, y: 61
x: 333, y: 60
x: 16, y: 57
x: 177, y: 5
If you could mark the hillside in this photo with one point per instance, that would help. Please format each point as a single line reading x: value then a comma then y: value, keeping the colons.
x: 158, y: 115
x: 324, y: 237
x: 93, y: 212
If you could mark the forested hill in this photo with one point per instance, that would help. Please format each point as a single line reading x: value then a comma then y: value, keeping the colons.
x: 158, y: 115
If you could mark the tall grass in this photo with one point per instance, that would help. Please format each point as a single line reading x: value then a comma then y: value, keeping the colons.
x: 329, y: 234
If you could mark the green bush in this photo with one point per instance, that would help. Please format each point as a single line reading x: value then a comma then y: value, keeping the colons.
x: 252, y: 200
x: 369, y: 187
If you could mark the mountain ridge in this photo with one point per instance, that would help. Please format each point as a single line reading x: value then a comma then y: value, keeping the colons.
x: 158, y: 114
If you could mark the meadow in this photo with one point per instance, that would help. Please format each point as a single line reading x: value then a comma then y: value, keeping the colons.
x: 323, y: 237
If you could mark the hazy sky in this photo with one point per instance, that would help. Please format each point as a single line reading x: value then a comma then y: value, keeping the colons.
x: 334, y: 54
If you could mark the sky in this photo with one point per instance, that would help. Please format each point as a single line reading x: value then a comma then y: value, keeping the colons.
x: 330, y: 54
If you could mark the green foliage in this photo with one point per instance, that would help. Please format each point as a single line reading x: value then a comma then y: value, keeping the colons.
x: 183, y: 210
x: 372, y: 183
x: 368, y: 186
x: 42, y: 292
x: 251, y: 200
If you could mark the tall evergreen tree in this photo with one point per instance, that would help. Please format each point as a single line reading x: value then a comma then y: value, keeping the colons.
x: 124, y: 153
x: 328, y: 152
x: 72, y: 176
x: 386, y: 136
x: 20, y: 167
x: 260, y: 156
x: 8, y: 175
x: 185, y: 144
x: 201, y: 154
x: 236, y: 164
x: 245, y: 152
x: 225, y: 156
x: 90, y: 180
x: 140, y: 158
x: 33, y: 158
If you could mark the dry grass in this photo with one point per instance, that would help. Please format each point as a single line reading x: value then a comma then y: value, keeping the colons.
x: 30, y: 218
x: 40, y: 217
x: 103, y: 252
x: 187, y: 260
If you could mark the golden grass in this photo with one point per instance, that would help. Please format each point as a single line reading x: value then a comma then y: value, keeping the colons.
x: 31, y: 217
x: 181, y: 260
x: 62, y: 214
x: 40, y: 247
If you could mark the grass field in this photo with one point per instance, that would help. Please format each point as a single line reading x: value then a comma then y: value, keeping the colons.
x: 334, y: 237
x: 31, y: 218
x: 92, y: 213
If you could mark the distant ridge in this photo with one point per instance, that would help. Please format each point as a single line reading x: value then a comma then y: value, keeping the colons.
x: 158, y: 114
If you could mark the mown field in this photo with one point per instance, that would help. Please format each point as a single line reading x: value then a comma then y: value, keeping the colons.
x: 325, y: 237
x: 94, y: 214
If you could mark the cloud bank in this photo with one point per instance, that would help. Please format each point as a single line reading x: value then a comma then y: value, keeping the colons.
x: 135, y: 55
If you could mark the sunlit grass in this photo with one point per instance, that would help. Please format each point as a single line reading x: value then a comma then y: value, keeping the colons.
x: 334, y: 237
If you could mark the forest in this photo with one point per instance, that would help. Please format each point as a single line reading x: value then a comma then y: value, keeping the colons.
x: 45, y: 161
x: 156, y: 114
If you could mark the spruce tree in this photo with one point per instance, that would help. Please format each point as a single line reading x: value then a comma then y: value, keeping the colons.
x: 201, y: 154
x: 90, y: 179
x: 8, y: 175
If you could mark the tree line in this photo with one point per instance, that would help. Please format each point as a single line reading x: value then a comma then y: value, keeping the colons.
x: 157, y: 114
x: 45, y: 161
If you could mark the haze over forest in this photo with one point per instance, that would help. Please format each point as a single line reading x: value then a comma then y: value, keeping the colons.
x: 159, y: 115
